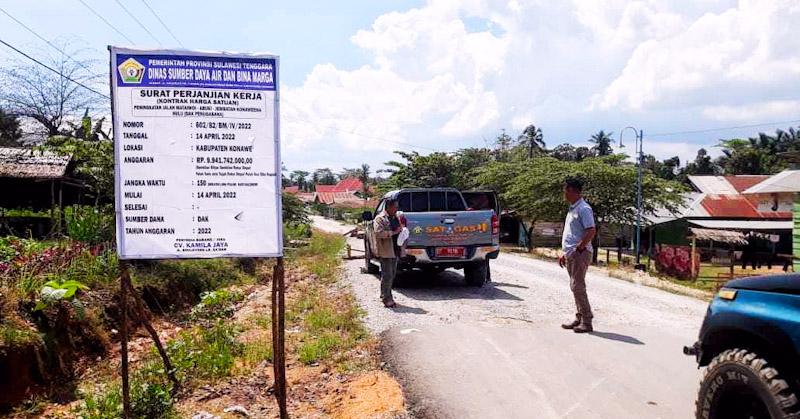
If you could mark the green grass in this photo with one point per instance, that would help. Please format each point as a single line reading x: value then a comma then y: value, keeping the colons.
x: 321, y: 255
x: 13, y: 335
x: 331, y: 325
x: 198, y: 355
x: 216, y: 304
x: 254, y: 353
x: 205, y: 354
x: 197, y: 274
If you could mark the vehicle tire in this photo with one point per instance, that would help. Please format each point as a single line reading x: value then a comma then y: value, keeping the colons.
x: 369, y: 267
x: 739, y: 384
x: 476, y: 274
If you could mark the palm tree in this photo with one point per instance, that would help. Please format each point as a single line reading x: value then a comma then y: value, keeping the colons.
x: 532, y: 137
x: 602, y: 141
x: 363, y: 176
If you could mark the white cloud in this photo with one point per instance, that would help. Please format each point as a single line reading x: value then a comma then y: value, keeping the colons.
x: 760, y: 111
x: 747, y: 45
x: 438, y: 79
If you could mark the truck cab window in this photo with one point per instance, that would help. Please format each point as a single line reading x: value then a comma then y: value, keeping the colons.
x: 419, y: 201
x: 404, y: 202
x: 455, y: 202
x: 437, y: 201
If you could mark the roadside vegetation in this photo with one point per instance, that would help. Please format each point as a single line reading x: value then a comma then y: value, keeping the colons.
x: 331, y: 322
x: 213, y: 316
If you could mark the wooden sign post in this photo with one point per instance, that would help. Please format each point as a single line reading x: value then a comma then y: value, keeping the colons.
x: 197, y: 173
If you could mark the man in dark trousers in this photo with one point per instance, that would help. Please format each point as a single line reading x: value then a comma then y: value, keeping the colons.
x: 576, y: 244
x: 387, y: 227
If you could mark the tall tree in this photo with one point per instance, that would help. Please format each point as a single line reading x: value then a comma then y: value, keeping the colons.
x: 348, y: 173
x: 602, y: 143
x: 48, y: 98
x: 424, y: 171
x: 92, y: 152
x: 325, y: 176
x: 568, y: 152
x: 10, y: 133
x: 300, y: 178
x: 668, y: 169
x: 531, y: 137
x: 363, y: 176
x: 610, y: 188
x: 702, y: 165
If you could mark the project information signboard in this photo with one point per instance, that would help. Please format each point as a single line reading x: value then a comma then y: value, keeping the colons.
x: 197, y: 154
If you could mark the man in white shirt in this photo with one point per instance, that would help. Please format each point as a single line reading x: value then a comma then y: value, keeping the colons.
x: 576, y: 244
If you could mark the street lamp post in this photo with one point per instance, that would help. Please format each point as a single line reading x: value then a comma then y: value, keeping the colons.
x: 639, y: 163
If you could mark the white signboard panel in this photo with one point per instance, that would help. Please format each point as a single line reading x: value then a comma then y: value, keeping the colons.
x: 197, y: 154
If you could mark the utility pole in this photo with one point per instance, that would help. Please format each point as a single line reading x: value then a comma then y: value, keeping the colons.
x: 639, y: 134
x: 639, y: 203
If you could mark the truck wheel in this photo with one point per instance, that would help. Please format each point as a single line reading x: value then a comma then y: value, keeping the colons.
x: 369, y: 267
x: 740, y: 384
x: 476, y: 274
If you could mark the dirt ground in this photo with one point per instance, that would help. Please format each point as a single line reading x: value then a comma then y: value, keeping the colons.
x: 315, y: 391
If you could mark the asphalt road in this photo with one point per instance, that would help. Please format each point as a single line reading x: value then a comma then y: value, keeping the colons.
x: 498, y: 351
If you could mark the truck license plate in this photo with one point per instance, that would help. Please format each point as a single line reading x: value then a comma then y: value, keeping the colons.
x: 449, y: 252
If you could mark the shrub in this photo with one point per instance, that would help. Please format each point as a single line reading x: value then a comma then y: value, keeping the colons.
x: 205, y: 353
x: 54, y: 292
x: 89, y: 224
x: 320, y: 348
x: 216, y: 304
x: 296, y: 232
x: 151, y: 400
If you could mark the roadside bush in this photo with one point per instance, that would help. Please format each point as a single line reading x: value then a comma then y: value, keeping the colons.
x: 205, y: 353
x: 216, y: 304
x: 34, y: 263
x: 294, y: 211
x: 89, y: 224
x: 296, y: 232
x: 151, y: 400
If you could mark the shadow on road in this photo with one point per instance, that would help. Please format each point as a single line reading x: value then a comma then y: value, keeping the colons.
x: 617, y: 337
x: 447, y: 285
x: 505, y: 284
x: 409, y: 310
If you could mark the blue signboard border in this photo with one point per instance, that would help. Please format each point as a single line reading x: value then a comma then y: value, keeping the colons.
x: 114, y: 52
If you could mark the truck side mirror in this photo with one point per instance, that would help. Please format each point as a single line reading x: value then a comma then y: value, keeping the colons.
x: 366, y: 216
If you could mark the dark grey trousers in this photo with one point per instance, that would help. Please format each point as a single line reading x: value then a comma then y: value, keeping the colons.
x: 388, y: 272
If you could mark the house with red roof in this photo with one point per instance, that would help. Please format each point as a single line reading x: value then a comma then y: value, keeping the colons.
x: 748, y: 204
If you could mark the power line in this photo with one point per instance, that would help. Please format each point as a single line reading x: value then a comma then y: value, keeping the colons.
x: 106, y: 22
x: 54, y: 70
x: 46, y: 41
x: 141, y: 25
x: 701, y: 131
x: 163, y: 24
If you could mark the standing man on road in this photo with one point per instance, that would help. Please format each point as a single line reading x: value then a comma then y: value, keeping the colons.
x: 387, y: 227
x: 576, y: 244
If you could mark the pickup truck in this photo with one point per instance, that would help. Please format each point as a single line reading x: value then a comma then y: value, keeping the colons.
x: 444, y: 232
x: 750, y: 344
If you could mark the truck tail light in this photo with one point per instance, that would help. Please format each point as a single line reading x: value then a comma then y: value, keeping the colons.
x: 495, y: 224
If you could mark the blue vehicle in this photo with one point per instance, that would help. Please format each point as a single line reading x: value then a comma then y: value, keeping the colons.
x: 750, y: 344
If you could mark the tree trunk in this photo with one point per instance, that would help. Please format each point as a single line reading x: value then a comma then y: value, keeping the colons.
x: 596, y: 243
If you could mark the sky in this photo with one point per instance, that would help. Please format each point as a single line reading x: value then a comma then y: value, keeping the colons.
x: 360, y: 79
